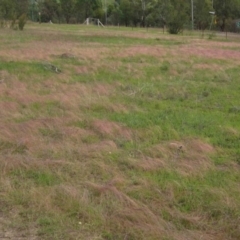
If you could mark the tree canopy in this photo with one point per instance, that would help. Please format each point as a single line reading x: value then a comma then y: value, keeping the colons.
x: 175, y: 14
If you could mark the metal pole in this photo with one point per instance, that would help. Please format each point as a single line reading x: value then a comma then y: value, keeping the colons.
x: 192, y: 14
x: 105, y: 13
x: 32, y: 12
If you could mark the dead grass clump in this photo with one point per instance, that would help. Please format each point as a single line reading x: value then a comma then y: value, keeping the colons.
x: 81, y: 95
x: 151, y: 164
x: 111, y: 129
x: 31, y: 137
x: 128, y: 213
x: 18, y: 91
x: 76, y: 134
x: 211, y: 66
x: 67, y: 56
x: 8, y: 109
x: 51, y: 46
x: 191, y: 156
x: 231, y: 131
x: 79, y: 70
x: 5, y: 77
x: 8, y: 82
x: 27, y: 130
x: 42, y: 199
x: 173, y: 72
x: 188, y: 157
x: 11, y: 163
x: 142, y: 50
x: 102, y: 89
x: 213, y: 44
x: 209, y: 52
x: 107, y: 146
x: 7, y: 231
x: 71, y: 191
x: 199, y: 146
x: 197, y: 234
x: 119, y: 108
x: 71, y: 101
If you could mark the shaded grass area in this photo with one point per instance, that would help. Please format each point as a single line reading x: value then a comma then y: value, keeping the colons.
x: 131, y: 145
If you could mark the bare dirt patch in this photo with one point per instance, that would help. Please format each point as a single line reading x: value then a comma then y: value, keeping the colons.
x: 9, y: 233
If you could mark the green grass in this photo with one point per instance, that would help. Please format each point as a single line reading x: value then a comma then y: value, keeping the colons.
x: 142, y: 144
x: 12, y: 147
x: 39, y: 178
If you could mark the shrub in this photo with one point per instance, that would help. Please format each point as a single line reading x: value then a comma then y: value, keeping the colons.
x: 22, y: 21
x: 176, y: 16
x: 175, y: 27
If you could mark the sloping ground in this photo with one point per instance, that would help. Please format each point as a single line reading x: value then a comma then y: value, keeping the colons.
x: 135, y: 137
x: 7, y: 231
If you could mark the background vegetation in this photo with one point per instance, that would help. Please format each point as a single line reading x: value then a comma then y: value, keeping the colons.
x: 175, y: 14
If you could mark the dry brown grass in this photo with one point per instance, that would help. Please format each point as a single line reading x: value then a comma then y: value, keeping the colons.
x: 50, y: 47
x: 209, y: 52
x: 207, y: 66
x: 140, y: 50
x: 111, y: 129
x: 8, y: 233
x: 188, y: 157
x: 130, y: 213
x: 49, y: 130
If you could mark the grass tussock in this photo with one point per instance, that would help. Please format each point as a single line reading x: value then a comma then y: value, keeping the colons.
x: 135, y: 137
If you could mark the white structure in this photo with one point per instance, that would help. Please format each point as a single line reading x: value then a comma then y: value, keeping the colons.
x: 94, y: 21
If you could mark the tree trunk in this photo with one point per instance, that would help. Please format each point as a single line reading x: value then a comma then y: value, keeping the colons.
x: 223, y: 25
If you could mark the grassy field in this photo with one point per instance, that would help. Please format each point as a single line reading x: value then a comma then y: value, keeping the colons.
x: 118, y: 134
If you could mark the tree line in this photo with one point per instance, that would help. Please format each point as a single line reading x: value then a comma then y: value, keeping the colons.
x: 173, y: 14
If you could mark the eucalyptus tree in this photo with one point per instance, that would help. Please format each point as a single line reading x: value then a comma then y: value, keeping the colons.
x: 11, y: 10
x: 171, y: 13
x: 50, y: 9
x: 89, y: 8
x: 21, y: 7
x: 6, y: 9
x: 68, y: 9
x: 156, y: 13
x: 225, y: 10
x: 177, y: 14
x: 115, y: 13
x: 127, y: 12
x: 202, y: 16
x: 137, y: 14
